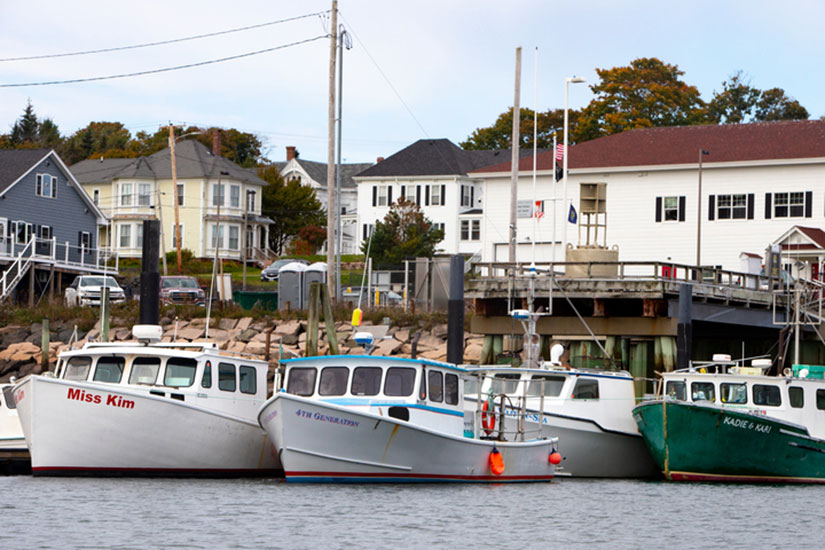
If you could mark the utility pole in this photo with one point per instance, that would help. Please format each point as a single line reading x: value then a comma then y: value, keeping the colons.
x: 162, y: 242
x: 218, y: 259
x: 244, y: 234
x: 514, y: 159
x: 177, y: 206
x: 331, y: 206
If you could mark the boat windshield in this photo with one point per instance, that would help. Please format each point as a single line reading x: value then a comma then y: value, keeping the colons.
x: 547, y: 385
x: 301, y: 381
x: 366, y: 381
x: 505, y: 382
x: 180, y: 372
x: 78, y: 368
x: 435, y: 383
x: 333, y: 381
x: 144, y: 370
x: 733, y: 393
x: 702, y: 391
x: 399, y: 381
x: 676, y: 390
x: 586, y: 389
x: 109, y: 369
x: 8, y: 397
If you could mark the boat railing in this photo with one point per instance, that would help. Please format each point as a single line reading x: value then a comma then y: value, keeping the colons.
x: 492, y: 420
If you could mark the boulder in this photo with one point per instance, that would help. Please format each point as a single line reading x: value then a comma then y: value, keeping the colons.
x: 429, y: 342
x: 386, y: 347
x: 227, y: 324
x: 255, y: 348
x: 246, y: 335
x: 402, y: 335
x: 192, y: 332
x: 440, y: 331
x: 472, y: 353
x: 244, y: 323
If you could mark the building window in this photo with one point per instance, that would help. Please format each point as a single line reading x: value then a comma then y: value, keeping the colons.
x: 670, y: 209
x: 45, y: 232
x: 732, y: 207
x: 125, y: 235
x: 234, y: 232
x: 250, y: 201
x: 96, y: 197
x: 218, y: 194
x: 84, y: 240
x: 139, y: 235
x: 235, y: 196
x: 367, y: 231
x: 219, y: 230
x: 22, y: 232
x: 788, y: 205
x: 125, y: 194
x: 144, y: 195
x: 470, y: 230
x: 174, y: 235
x: 467, y: 195
x: 181, y: 194
x: 383, y: 195
x: 45, y: 186
x: 436, y: 198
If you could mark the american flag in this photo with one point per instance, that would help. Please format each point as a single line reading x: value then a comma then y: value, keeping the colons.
x: 560, y: 151
x: 538, y: 209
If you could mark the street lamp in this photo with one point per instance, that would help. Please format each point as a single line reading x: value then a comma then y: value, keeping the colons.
x: 567, y: 81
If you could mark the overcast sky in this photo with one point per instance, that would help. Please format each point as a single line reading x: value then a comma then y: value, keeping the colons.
x: 417, y: 69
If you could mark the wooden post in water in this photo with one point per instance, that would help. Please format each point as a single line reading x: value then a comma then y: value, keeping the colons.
x: 104, y: 313
x: 312, y: 321
x: 329, y: 320
x: 44, y: 346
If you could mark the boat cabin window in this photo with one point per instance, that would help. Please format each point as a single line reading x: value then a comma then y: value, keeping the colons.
x: 796, y: 397
x: 702, y: 391
x: 400, y: 381
x: 676, y: 390
x: 820, y: 399
x: 766, y: 395
x: 206, y: 379
x: 109, y: 369
x: 733, y: 393
x: 451, y: 389
x: 8, y: 397
x: 586, y: 389
x: 180, y: 372
x: 226, y: 376
x: 366, y: 381
x: 435, y: 382
x: 247, y: 381
x: 144, y: 370
x: 505, y: 382
x: 333, y: 381
x: 78, y: 368
x: 547, y: 385
x: 301, y: 381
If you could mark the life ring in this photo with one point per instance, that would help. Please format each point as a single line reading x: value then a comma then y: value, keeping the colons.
x: 488, y: 421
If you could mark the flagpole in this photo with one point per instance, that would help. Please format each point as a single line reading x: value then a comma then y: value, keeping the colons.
x: 535, y: 150
x: 555, y: 200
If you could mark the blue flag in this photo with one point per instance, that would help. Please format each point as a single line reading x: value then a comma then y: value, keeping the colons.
x: 572, y: 217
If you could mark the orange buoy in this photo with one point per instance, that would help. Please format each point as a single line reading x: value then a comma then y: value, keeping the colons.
x: 554, y: 458
x: 488, y: 420
x: 496, y: 462
x: 357, y: 317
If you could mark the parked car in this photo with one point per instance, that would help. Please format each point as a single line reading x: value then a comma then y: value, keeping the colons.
x: 271, y: 273
x: 85, y: 290
x: 180, y: 289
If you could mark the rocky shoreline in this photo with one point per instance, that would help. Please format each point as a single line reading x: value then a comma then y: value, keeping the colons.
x: 20, y: 346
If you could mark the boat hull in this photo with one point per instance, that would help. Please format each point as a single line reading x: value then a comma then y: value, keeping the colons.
x: 80, y: 428
x: 321, y: 442
x: 591, y: 451
x: 698, y: 442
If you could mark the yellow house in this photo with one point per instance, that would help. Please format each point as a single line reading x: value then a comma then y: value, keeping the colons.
x: 212, y: 192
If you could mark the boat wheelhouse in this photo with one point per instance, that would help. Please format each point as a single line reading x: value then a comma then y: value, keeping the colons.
x: 370, y: 418
x: 721, y: 421
x: 147, y: 408
x: 14, y: 454
x: 589, y: 410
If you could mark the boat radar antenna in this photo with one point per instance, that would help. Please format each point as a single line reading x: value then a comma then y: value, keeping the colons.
x: 147, y: 334
x: 366, y: 340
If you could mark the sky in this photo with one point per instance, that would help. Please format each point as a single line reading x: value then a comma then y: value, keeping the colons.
x: 416, y: 69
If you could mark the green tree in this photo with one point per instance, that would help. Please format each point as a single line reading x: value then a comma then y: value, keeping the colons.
x: 28, y: 131
x: 774, y: 104
x: 290, y: 205
x: 735, y: 103
x: 645, y: 94
x: 97, y: 139
x: 404, y: 233
x: 500, y: 134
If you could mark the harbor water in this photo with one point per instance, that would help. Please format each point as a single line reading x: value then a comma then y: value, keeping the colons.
x: 212, y: 514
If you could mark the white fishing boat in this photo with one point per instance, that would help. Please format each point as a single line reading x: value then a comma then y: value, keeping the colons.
x: 383, y: 419
x: 589, y: 410
x: 147, y: 408
x: 14, y: 455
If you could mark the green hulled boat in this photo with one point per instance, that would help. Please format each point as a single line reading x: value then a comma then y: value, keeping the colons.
x: 737, y: 425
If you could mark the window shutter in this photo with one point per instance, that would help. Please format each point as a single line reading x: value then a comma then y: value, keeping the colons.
x: 418, y: 195
x: 443, y: 195
x: 750, y: 206
x: 682, y: 208
x: 389, y: 195
x: 767, y: 206
x: 79, y: 238
x: 364, y: 233
x: 809, y: 203
x: 404, y: 191
x: 711, y: 207
x: 658, y: 209
x: 427, y: 196
x: 472, y: 197
x: 374, y: 195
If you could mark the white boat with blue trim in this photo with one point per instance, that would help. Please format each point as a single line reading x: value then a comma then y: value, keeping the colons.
x: 362, y: 418
x: 147, y: 409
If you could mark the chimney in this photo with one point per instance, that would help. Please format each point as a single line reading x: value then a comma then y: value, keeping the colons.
x: 216, y: 142
x: 290, y: 152
x: 379, y: 159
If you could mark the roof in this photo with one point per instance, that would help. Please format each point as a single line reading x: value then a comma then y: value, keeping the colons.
x: 192, y: 159
x: 16, y: 162
x: 434, y: 157
x: 813, y: 233
x: 782, y: 140
x: 318, y: 171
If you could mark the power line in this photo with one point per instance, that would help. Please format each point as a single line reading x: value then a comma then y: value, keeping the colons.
x: 167, y: 69
x: 162, y: 42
